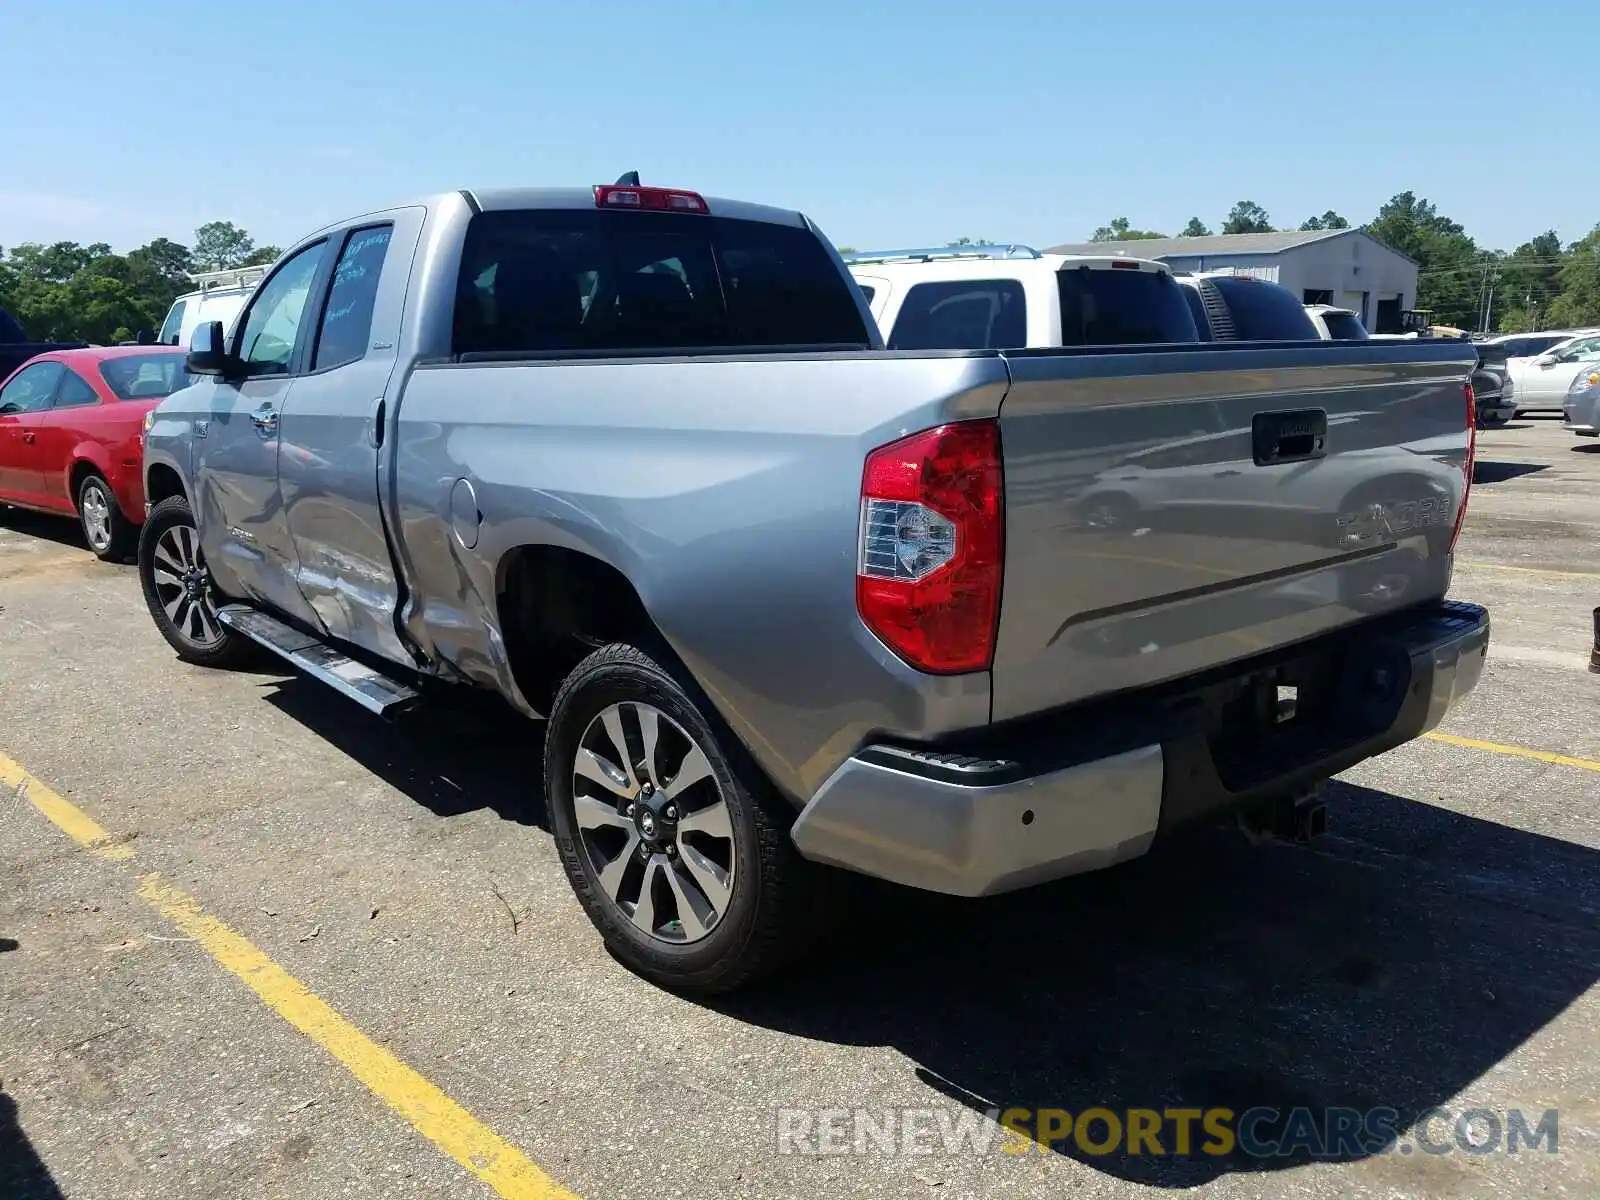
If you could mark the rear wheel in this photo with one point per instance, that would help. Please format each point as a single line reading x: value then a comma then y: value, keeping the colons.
x: 678, y: 852
x: 178, y: 590
x: 110, y: 534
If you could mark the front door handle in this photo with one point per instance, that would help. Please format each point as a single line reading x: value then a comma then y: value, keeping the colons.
x: 27, y: 436
x: 265, y: 420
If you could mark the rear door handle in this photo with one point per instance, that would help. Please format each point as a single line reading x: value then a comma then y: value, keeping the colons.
x: 265, y: 420
x: 27, y: 436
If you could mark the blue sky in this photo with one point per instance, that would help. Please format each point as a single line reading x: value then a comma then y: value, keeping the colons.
x: 891, y: 123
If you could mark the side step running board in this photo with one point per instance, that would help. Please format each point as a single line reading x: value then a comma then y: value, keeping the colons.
x: 371, y: 689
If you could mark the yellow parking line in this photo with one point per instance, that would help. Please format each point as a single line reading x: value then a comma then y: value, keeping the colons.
x: 1482, y: 566
x: 1560, y: 760
x: 433, y: 1114
x: 66, y: 816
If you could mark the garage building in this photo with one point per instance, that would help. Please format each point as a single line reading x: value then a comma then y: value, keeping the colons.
x: 1346, y: 267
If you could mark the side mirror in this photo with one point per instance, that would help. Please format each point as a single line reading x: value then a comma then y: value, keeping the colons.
x: 208, y: 351
x: 144, y: 337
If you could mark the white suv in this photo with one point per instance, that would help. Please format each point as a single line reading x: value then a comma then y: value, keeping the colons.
x: 991, y: 297
x: 219, y: 296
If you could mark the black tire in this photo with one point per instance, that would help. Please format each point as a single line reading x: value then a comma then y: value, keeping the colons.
x: 775, y: 907
x: 110, y: 535
x: 171, y: 521
x: 1492, y: 422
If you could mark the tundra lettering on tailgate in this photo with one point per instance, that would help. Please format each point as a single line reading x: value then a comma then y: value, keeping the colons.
x: 1374, y: 521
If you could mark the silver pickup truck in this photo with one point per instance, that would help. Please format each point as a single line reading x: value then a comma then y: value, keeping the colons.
x: 790, y: 602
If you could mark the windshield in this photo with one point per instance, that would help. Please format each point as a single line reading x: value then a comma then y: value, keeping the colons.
x: 145, y: 376
x: 1119, y: 307
x: 1345, y: 327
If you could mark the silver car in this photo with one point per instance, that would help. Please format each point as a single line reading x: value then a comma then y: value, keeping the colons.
x: 1582, y: 405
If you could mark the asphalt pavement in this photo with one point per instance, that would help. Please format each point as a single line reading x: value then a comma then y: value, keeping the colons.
x: 256, y: 943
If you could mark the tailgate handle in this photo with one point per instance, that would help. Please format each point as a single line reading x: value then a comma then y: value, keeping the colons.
x: 1284, y: 437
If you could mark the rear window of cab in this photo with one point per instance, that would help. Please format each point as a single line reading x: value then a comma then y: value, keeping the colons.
x: 549, y: 281
x: 1122, y: 306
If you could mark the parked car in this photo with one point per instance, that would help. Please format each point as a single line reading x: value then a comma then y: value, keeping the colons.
x: 16, y: 349
x: 218, y: 296
x: 1541, y: 380
x: 70, y: 430
x: 636, y: 461
x: 1230, y: 307
x: 1337, y: 324
x: 999, y: 297
x: 1530, y: 345
x: 1582, y: 407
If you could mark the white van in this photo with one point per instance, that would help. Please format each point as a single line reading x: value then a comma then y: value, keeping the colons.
x: 219, y: 296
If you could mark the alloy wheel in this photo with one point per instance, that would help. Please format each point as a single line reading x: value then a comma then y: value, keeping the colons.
x: 96, y: 517
x: 653, y: 822
x: 183, y: 586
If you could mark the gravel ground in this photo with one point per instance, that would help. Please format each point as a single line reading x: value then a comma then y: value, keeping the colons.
x: 1440, y: 948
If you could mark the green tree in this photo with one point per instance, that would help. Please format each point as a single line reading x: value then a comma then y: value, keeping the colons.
x: 164, y: 259
x: 1530, y: 280
x: 72, y: 292
x: 1195, y: 228
x: 1247, y: 217
x: 1515, y: 319
x: 219, y: 245
x: 1328, y: 220
x: 1579, y: 277
x: 1121, y: 230
x: 262, y: 256
x: 1452, y: 272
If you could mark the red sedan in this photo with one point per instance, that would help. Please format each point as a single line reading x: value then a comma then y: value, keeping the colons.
x: 71, y: 427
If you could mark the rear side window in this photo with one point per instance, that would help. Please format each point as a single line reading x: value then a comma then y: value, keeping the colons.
x: 173, y: 325
x: 978, y: 314
x: 347, y: 317
x: 544, y: 281
x: 1264, y: 312
x: 1117, y: 307
x: 1345, y: 327
x: 74, y: 392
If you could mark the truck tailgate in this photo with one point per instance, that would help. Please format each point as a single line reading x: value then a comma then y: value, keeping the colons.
x: 1172, y: 510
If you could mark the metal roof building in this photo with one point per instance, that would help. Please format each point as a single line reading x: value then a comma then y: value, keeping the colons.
x: 1347, y: 267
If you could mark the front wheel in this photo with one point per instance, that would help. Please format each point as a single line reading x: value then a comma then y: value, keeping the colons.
x: 178, y: 591
x: 678, y: 852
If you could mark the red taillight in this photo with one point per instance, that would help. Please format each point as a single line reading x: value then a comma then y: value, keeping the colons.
x: 610, y: 195
x: 1126, y: 266
x: 928, y: 571
x: 1466, y: 469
